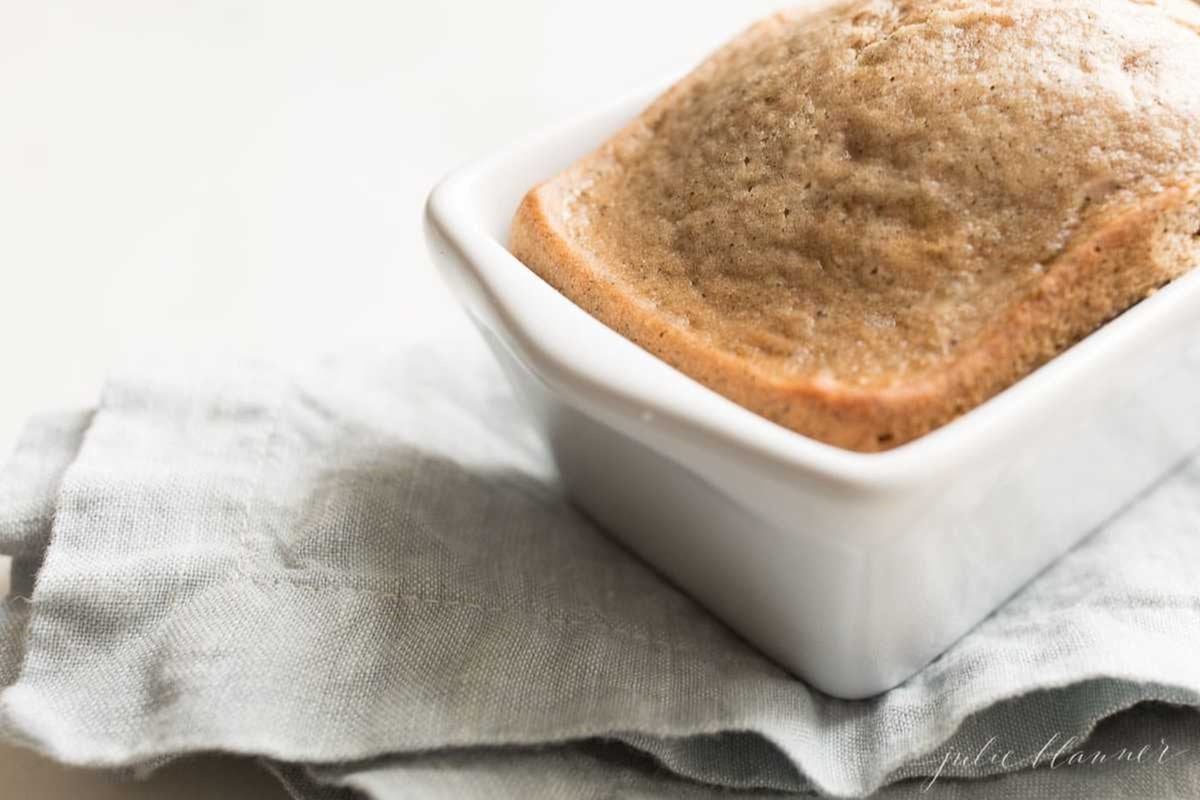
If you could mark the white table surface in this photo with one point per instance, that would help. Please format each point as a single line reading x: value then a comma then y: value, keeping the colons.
x: 251, y: 174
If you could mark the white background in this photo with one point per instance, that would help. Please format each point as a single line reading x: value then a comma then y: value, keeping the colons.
x: 251, y: 175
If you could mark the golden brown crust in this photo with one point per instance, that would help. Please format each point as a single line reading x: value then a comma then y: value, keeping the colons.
x: 1117, y: 253
x: 1137, y: 252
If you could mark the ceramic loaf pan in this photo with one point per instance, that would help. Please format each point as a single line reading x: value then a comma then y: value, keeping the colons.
x: 853, y: 570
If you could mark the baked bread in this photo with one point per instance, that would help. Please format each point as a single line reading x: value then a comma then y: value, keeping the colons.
x: 862, y: 220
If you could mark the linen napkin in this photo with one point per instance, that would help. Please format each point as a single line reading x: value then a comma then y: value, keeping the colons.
x: 362, y: 570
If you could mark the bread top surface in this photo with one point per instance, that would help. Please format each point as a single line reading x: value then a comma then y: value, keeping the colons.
x: 854, y: 196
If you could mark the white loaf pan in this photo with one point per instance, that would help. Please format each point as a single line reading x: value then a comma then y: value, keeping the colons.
x: 852, y: 570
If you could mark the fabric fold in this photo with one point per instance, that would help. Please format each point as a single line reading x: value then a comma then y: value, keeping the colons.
x: 29, y: 485
x: 368, y: 558
x: 30, y: 480
x: 1113, y: 769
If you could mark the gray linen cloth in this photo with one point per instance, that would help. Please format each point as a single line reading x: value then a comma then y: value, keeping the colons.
x: 363, y: 571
